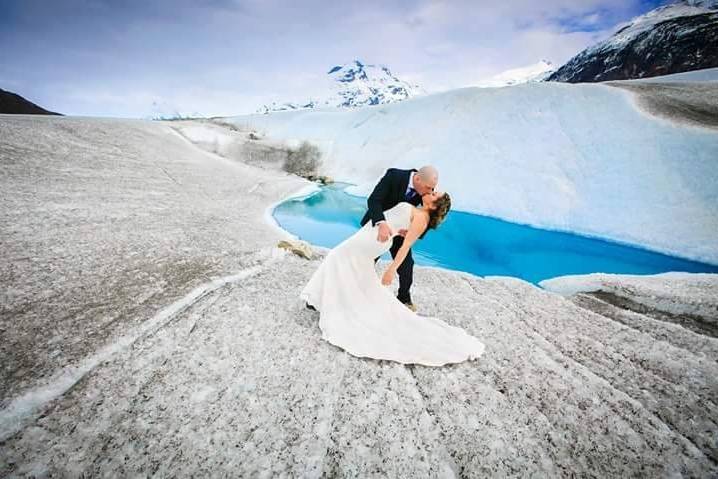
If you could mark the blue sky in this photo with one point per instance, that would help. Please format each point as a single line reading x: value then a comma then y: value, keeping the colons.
x: 134, y: 58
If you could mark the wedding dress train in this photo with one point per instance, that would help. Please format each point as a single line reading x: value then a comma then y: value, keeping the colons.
x: 363, y: 317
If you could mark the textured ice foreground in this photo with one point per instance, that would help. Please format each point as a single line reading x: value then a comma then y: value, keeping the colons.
x: 148, y: 328
x: 581, y: 158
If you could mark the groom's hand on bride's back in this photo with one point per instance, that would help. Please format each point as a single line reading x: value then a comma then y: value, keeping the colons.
x: 384, y: 232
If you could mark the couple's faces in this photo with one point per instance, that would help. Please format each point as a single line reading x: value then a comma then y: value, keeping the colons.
x: 430, y: 198
x: 428, y: 189
x: 425, y: 188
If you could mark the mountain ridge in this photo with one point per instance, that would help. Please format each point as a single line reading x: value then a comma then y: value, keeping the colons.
x: 14, y: 104
x: 353, y: 85
x: 674, y: 38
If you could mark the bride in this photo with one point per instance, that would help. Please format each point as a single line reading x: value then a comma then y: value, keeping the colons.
x: 361, y: 315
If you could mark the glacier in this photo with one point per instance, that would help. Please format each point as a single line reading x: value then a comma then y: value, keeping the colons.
x: 150, y: 327
x: 581, y: 158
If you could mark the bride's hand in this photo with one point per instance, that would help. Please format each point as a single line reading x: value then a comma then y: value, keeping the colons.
x: 384, y: 232
x: 388, y: 277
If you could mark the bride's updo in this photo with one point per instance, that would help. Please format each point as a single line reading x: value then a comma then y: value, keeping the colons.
x: 442, y: 207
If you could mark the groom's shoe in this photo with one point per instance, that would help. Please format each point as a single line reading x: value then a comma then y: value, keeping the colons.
x: 406, y: 302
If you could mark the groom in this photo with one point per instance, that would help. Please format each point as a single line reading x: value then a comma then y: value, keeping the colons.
x: 397, y: 186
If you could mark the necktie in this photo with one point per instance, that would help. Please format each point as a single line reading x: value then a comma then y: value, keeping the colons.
x: 410, y: 194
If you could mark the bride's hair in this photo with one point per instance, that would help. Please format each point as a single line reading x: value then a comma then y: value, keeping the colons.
x: 437, y: 215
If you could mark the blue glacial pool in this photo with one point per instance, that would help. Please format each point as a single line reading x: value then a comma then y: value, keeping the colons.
x: 481, y: 245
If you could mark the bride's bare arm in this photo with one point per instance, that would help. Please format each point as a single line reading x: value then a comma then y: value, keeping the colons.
x: 419, y: 222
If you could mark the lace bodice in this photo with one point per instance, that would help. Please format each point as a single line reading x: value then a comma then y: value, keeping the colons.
x: 399, y: 216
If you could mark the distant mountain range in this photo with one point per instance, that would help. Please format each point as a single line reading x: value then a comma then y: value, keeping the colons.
x: 532, y: 73
x: 353, y: 85
x: 671, y: 39
x: 15, y: 104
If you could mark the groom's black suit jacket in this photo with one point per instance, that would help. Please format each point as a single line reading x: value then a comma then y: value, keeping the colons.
x: 388, y: 193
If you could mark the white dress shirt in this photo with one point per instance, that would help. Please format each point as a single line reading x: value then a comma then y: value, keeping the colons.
x: 410, y: 186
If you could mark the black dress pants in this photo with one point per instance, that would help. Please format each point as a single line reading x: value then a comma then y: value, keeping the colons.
x: 405, y: 270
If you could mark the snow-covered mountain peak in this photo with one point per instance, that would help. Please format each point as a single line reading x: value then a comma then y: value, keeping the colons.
x: 669, y: 39
x: 351, y: 85
x: 531, y: 73
x: 709, y: 4
x: 684, y: 8
x: 357, y: 71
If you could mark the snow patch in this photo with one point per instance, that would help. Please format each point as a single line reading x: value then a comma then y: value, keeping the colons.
x: 532, y: 73
x: 705, y: 75
x: 675, y: 293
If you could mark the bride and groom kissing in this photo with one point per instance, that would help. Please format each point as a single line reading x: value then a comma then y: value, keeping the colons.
x: 357, y: 312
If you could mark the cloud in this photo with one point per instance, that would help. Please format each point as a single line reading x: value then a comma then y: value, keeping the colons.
x: 103, y: 57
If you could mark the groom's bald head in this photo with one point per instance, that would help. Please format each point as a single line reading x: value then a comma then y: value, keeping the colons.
x: 429, y: 174
x: 425, y: 179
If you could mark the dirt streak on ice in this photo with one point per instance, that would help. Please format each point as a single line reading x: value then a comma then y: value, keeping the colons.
x: 14, y: 417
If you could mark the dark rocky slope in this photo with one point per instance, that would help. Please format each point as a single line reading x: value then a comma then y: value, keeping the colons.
x: 15, y: 104
x: 675, y: 45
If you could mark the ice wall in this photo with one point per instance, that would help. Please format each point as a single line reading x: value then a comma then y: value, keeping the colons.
x: 580, y: 157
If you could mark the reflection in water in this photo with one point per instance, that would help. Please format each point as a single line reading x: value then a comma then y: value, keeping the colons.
x: 481, y: 245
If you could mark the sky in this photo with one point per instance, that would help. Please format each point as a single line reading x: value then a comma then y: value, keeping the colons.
x: 144, y: 58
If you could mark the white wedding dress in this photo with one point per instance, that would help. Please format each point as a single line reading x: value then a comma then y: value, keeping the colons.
x: 362, y: 316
